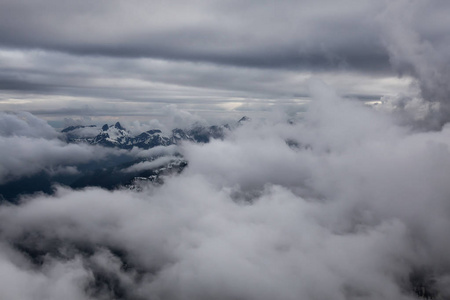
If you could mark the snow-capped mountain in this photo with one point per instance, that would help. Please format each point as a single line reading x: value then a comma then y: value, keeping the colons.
x: 150, y: 139
x: 118, y: 169
x: 112, y: 136
x: 117, y: 136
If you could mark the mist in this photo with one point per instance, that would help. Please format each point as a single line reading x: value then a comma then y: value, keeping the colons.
x: 354, y: 207
x: 335, y: 184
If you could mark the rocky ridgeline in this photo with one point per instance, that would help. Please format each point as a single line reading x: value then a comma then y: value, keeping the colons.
x: 117, y: 136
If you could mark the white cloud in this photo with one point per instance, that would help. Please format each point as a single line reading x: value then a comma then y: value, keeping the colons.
x: 23, y: 156
x: 28, y: 145
x: 24, y: 124
x: 351, y: 213
x: 148, y: 165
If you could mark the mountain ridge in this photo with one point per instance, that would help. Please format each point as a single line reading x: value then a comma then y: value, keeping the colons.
x: 119, y: 137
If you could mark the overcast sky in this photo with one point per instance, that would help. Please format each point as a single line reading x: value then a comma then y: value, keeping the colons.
x: 350, y: 203
x: 131, y: 59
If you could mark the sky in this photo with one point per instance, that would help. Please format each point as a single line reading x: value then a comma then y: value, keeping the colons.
x: 336, y: 188
x: 108, y: 60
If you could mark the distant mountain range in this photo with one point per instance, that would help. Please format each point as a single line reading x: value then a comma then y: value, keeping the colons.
x: 125, y: 170
x: 117, y: 136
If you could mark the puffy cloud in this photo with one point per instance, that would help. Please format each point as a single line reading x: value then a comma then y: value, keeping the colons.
x: 26, y: 125
x: 24, y: 156
x: 148, y: 165
x: 85, y: 132
x: 56, y: 280
x: 28, y: 145
x: 198, y: 243
x: 156, y: 151
x: 354, y: 207
x: 416, y: 52
x: 343, y: 204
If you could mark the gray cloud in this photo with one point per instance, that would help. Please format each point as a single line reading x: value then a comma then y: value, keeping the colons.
x: 23, y: 156
x: 25, y: 124
x: 212, y: 57
x: 356, y: 210
x: 149, y: 165
x: 238, y: 33
x: 420, y: 50
x: 339, y: 203
x: 97, y: 87
x: 28, y: 145
x: 59, y: 280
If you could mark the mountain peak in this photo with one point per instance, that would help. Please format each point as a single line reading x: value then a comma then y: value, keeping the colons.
x: 118, y: 126
x: 244, y: 119
x: 72, y: 128
x: 117, y: 136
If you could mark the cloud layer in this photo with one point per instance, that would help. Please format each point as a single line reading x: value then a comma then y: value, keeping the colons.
x: 28, y: 145
x: 213, y: 57
x: 353, y: 207
x: 325, y: 198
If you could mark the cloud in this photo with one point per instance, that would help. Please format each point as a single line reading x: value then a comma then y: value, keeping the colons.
x: 181, y: 118
x: 237, y: 33
x: 216, y: 57
x: 199, y: 248
x: 85, y: 132
x: 356, y: 208
x: 414, y: 51
x: 156, y: 151
x: 341, y: 203
x: 28, y: 145
x: 64, y: 170
x: 137, y: 127
x: 24, y: 156
x: 24, y: 124
x: 149, y: 165
x: 58, y: 280
x: 209, y: 59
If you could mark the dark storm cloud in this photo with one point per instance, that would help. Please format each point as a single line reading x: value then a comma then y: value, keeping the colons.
x: 22, y: 85
x: 286, y: 34
x: 222, y: 53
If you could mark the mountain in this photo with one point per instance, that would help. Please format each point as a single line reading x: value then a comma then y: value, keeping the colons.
x: 117, y: 136
x: 72, y: 128
x: 243, y: 120
x: 113, y: 136
x: 150, y: 139
x: 117, y: 171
